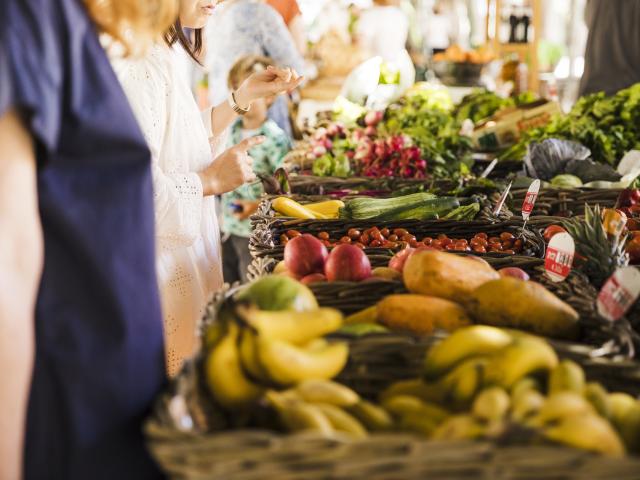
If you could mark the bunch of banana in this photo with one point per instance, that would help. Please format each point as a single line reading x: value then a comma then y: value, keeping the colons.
x: 327, y: 408
x: 493, y: 379
x: 257, y: 350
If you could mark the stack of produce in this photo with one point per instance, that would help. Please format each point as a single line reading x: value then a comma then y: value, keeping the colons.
x: 449, y: 291
x: 485, y: 382
x: 608, y: 126
x: 274, y: 337
x: 482, y: 104
x: 401, y: 238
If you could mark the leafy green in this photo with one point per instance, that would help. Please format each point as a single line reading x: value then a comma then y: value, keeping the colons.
x: 482, y: 104
x: 608, y: 126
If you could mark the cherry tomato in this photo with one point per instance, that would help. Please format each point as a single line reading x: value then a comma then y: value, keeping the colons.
x: 345, y: 239
x: 437, y: 244
x: 359, y: 245
x: 462, y: 241
x: 442, y: 236
x: 408, y: 238
x: 413, y: 243
x: 450, y: 247
x: 365, y: 239
x: 446, y: 242
x: 551, y: 230
x: 479, y: 249
x: 293, y: 233
x: 354, y: 233
x: 393, y: 238
x: 385, y: 232
x: 375, y: 243
x: 517, y: 245
x: 475, y: 242
x: 495, y: 247
x: 494, y: 240
x: 427, y: 241
x: 400, y: 232
x: 507, y: 244
x: 510, y: 252
x: 505, y: 236
x: 482, y: 235
x: 323, y: 236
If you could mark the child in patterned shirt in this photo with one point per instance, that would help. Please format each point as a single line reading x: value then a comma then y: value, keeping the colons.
x: 239, y: 205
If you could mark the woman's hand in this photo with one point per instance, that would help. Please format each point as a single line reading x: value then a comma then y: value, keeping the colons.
x: 267, y: 83
x: 231, y: 169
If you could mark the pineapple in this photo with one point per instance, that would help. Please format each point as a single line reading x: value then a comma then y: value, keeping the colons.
x: 601, y: 256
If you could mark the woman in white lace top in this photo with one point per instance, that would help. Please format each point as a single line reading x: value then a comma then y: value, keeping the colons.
x: 184, y: 143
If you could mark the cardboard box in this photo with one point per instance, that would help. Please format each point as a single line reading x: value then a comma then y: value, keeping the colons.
x: 504, y: 128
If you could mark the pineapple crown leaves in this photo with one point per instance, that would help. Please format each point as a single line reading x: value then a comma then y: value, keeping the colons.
x: 601, y: 255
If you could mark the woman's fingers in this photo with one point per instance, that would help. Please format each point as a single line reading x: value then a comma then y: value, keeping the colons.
x: 248, y: 143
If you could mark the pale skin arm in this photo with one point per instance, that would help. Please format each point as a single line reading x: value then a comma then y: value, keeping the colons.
x: 268, y: 83
x: 21, y: 257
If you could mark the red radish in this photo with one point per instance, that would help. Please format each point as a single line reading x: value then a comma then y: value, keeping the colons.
x: 551, y: 230
x: 514, y: 272
x: 347, y: 263
x: 313, y: 278
x: 399, y: 259
x: 305, y: 255
x: 373, y: 118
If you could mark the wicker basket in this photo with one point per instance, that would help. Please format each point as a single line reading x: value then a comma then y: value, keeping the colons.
x: 265, y: 238
x: 184, y: 439
x: 566, y: 202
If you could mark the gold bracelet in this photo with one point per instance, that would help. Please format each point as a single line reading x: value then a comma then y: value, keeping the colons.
x: 234, y: 105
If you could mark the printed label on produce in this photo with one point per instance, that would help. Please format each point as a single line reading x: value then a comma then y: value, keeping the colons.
x: 503, y: 199
x: 619, y: 293
x: 530, y: 199
x: 614, y: 222
x: 559, y: 258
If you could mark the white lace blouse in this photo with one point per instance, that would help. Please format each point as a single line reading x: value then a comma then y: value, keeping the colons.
x: 187, y: 234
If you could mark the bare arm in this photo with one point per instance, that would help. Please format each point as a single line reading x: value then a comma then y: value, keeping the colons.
x: 21, y: 252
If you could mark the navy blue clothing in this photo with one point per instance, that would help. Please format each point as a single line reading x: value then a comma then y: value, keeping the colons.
x: 99, y: 343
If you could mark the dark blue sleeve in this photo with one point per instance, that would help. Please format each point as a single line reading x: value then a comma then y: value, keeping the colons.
x: 31, y: 65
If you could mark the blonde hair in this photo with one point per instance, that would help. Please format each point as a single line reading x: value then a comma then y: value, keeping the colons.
x: 134, y: 23
x: 244, y: 67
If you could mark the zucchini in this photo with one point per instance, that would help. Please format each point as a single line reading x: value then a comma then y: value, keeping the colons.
x: 365, y: 208
x: 428, y: 210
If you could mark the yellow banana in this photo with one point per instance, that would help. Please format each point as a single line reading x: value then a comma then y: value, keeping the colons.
x: 295, y: 327
x: 428, y: 392
x: 300, y: 416
x: 478, y: 340
x: 621, y: 404
x: 326, y: 391
x: 462, y: 384
x: 225, y: 378
x: 630, y: 428
x: 525, y: 405
x: 342, y: 421
x: 561, y: 405
x: 247, y: 347
x: 587, y: 432
x: 491, y: 404
x: 289, y: 365
x: 401, y: 405
x: 418, y: 423
x: 373, y: 417
x: 524, y: 385
x: 329, y: 208
x: 525, y: 356
x: 459, y: 427
x: 567, y: 376
x: 368, y: 315
x: 599, y: 399
x: 291, y: 208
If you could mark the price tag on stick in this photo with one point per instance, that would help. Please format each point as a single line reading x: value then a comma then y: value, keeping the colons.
x: 530, y: 199
x: 619, y: 293
x: 559, y: 259
x: 503, y: 198
x: 490, y: 168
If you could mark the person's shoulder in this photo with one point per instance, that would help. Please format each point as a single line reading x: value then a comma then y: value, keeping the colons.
x: 154, y: 65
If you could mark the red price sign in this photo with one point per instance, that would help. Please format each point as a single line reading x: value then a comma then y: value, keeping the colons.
x: 559, y: 258
x: 530, y: 199
x: 619, y: 293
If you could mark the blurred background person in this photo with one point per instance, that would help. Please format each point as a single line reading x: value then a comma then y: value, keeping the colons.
x: 249, y: 27
x: 239, y: 205
x: 290, y: 12
x: 81, y: 345
x: 383, y: 30
x: 612, y: 58
x: 189, y: 168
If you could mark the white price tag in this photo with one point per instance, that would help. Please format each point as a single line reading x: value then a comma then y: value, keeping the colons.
x: 530, y: 199
x: 559, y: 258
x: 619, y: 293
x: 503, y: 198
